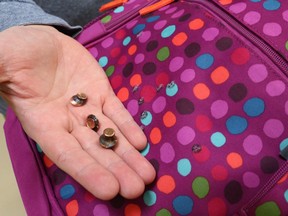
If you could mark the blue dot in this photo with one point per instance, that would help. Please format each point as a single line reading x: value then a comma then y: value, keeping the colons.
x: 236, y: 124
x: 138, y: 28
x: 205, y: 61
x: 152, y: 19
x: 38, y: 148
x: 184, y: 167
x: 271, y: 5
x: 254, y: 107
x: 126, y: 41
x: 255, y: 0
x: 218, y: 139
x: 171, y: 89
x: 283, y: 144
x: 103, y: 61
x: 119, y: 9
x: 149, y: 198
x: 146, y: 118
x: 146, y: 150
x: 67, y: 191
x: 168, y: 31
x: 183, y: 205
x: 286, y: 195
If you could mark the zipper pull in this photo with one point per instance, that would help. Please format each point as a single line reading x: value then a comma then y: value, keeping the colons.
x: 154, y: 7
x: 112, y: 4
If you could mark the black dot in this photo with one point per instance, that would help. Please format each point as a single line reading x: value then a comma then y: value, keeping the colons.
x: 233, y: 192
x: 192, y: 49
x: 128, y: 69
x: 238, y: 92
x: 58, y: 176
x: 155, y: 164
x: 269, y: 165
x: 117, y: 202
x: 224, y: 43
x: 184, y: 106
x: 149, y: 68
x: 152, y: 45
x: 184, y: 17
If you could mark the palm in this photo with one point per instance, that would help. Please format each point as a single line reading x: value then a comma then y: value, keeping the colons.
x: 39, y: 85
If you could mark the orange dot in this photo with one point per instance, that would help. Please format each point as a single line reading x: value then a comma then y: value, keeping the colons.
x: 123, y: 94
x: 166, y: 184
x: 283, y: 179
x: 220, y: 75
x: 132, y: 49
x: 225, y: 2
x: 169, y: 119
x: 155, y: 135
x: 48, y: 163
x: 72, y: 208
x: 179, y: 39
x: 234, y: 160
x: 196, y: 24
x: 201, y: 91
x: 135, y: 80
x: 132, y: 210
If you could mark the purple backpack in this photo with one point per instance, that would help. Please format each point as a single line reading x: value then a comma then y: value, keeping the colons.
x: 207, y: 81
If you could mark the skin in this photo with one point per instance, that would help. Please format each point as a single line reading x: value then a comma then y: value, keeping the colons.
x: 40, y: 69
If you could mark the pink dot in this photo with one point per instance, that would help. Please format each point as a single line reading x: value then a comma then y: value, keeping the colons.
x: 144, y: 36
x: 167, y: 153
x: 286, y: 107
x: 273, y: 128
x: 159, y: 104
x: 178, y: 14
x: 253, y: 144
x: 131, y: 24
x: 219, y: 109
x: 285, y: 15
x: 159, y: 25
x: 258, y: 73
x: 238, y: 8
x: 171, y: 10
x: 107, y: 42
x: 139, y: 58
x: 187, y: 75
x: 252, y: 17
x: 272, y: 29
x: 251, y: 180
x: 185, y: 135
x: 133, y: 107
x: 275, y: 88
x: 94, y: 52
x: 210, y: 34
x: 101, y: 209
x: 176, y: 63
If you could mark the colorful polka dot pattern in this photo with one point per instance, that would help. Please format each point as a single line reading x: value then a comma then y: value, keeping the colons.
x: 267, y: 18
x: 213, y: 108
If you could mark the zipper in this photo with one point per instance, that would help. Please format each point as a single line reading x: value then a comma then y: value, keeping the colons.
x: 266, y: 188
x: 272, y: 54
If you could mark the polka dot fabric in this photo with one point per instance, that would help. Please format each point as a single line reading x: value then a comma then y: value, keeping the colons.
x: 213, y: 106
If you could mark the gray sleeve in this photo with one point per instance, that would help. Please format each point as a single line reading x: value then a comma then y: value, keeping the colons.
x: 26, y: 12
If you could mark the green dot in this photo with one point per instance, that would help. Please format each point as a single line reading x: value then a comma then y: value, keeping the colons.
x: 163, y: 54
x: 106, y: 19
x: 286, y: 45
x: 163, y: 212
x: 268, y: 208
x: 149, y: 198
x: 110, y: 70
x: 200, y: 187
x: 38, y: 148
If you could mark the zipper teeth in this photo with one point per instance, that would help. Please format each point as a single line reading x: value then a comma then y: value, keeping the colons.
x: 261, y: 44
x: 268, y: 186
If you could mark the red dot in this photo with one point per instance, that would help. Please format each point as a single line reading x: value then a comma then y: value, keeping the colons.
x: 203, y: 123
x: 219, y: 173
x: 148, y: 93
x: 202, y: 155
x: 240, y: 56
x: 116, y: 81
x: 122, y: 60
x: 115, y: 52
x: 217, y: 207
x: 163, y: 79
x: 120, y: 34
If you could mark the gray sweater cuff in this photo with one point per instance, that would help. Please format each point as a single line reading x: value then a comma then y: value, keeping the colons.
x: 26, y: 12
